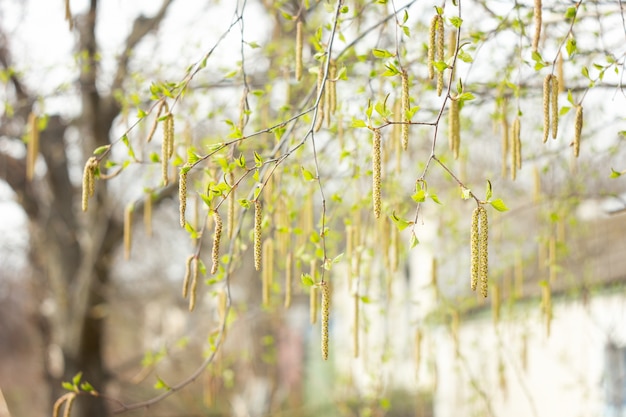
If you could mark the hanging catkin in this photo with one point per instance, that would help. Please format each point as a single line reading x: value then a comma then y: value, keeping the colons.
x: 538, y: 23
x: 299, y: 44
x: 547, y: 82
x: 325, y: 317
x: 404, y: 130
x: 440, y: 52
x: 258, y: 217
x: 215, y: 253
x: 376, y: 173
x: 578, y: 127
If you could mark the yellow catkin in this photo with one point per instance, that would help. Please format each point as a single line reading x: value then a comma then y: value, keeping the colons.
x: 376, y: 172
x: 547, y: 83
x: 536, y: 184
x: 440, y: 52
x: 454, y: 130
x: 147, y: 213
x: 217, y: 236
x: 418, y: 349
x: 452, y: 48
x: 325, y: 286
x: 505, y: 143
x: 537, y: 20
x: 187, y: 276
x: 258, y: 218
x: 495, y: 303
x: 404, y: 129
x: 68, y: 15
x: 432, y: 37
x: 169, y: 126
x: 32, y: 147
x: 546, y: 301
x: 483, y: 268
x: 128, y: 227
x: 578, y: 128
x: 268, y: 269
x: 68, y: 404
x: 474, y: 250
x: 165, y: 153
x: 88, y: 181
x: 299, y: 46
x: 552, y: 259
x: 194, y: 284
x: 320, y: 94
x: 155, y: 122
x: 517, y: 142
x: 554, y: 105
x: 288, y: 279
x: 182, y: 195
x: 332, y: 87
x: 355, y: 320
x: 230, y: 219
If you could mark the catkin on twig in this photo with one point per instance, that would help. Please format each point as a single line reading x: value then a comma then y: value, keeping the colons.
x: 155, y: 122
x: 376, y: 173
x: 32, y: 147
x: 404, y: 129
x: 128, y: 226
x: 187, y: 275
x: 454, y: 129
x: 299, y: 45
x: 325, y: 317
x: 215, y: 253
x: 89, y: 181
x: 505, y: 143
x: 546, y: 107
x: 258, y: 217
x: 195, y: 270
x: 288, y: 279
x: 440, y: 52
x: 554, y: 105
x: 321, y: 111
x: 484, y: 251
x: 432, y: 38
x: 182, y: 195
x: 332, y: 88
x: 578, y: 127
x: 479, y: 250
x: 537, y: 20
x: 474, y: 250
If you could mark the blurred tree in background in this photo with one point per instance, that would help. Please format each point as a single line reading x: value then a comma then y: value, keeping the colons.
x: 257, y: 152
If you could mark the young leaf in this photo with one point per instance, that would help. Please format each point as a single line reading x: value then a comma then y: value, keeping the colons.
x: 488, y: 192
x: 401, y: 223
x: 307, y: 281
x: 414, y: 241
x: 308, y: 175
x: 499, y: 205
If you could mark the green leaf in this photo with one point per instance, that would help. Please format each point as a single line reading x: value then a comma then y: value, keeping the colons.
x: 391, y: 70
x: 414, y: 241
x: 466, y: 97
x: 244, y: 203
x: 465, y: 193
x: 76, y: 379
x: 382, y: 53
x: 68, y: 386
x: 419, y: 196
x: 456, y: 21
x: 499, y: 205
x: 358, y: 123
x: 564, y: 110
x: 258, y: 161
x: 488, y: 191
x: 131, y: 152
x: 615, y: 174
x: 192, y: 157
x: 585, y: 72
x: 307, y: 281
x: 570, y: 13
x: 160, y: 384
x: 434, y: 197
x: 365, y: 299
x: 464, y: 56
x: 441, y: 66
x: 401, y: 223
x: 241, y: 161
x: 308, y: 175
x: 141, y: 113
x: 101, y: 149
x: 86, y: 386
x: 570, y: 46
